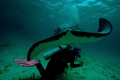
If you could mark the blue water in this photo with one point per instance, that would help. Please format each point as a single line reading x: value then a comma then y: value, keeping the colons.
x: 24, y: 22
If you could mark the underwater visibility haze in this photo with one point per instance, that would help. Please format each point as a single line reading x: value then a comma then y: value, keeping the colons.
x: 25, y: 22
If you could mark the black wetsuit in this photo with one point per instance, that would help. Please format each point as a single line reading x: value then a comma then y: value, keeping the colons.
x: 57, y: 64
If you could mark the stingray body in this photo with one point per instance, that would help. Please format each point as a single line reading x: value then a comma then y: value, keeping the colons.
x: 69, y: 37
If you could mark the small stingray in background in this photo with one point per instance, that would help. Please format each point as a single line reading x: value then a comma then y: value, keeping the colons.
x: 4, y: 45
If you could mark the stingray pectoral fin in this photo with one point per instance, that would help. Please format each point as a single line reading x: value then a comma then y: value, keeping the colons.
x: 105, y: 28
x: 42, y: 45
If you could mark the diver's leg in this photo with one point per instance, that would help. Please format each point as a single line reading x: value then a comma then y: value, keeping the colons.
x: 42, y: 71
x: 48, y: 73
x: 56, y: 66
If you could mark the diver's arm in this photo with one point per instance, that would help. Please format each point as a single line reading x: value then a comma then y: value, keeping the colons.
x: 79, y: 56
x: 74, y: 65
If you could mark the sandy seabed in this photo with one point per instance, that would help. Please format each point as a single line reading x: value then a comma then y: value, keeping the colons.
x: 94, y: 68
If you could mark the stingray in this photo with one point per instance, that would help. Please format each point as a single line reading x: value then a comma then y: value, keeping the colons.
x: 70, y: 37
x: 4, y: 45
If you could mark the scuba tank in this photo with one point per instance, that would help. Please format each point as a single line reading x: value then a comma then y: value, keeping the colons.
x: 49, y: 54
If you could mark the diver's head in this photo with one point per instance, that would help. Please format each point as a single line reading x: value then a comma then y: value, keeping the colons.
x: 77, y: 49
x: 77, y: 52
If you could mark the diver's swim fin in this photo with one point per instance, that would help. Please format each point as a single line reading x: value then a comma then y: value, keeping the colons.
x: 70, y: 37
x: 23, y: 62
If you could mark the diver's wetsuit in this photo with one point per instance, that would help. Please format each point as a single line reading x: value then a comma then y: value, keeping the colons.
x: 57, y: 64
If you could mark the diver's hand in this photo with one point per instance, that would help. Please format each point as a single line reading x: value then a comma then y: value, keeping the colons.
x: 81, y: 63
x: 79, y: 56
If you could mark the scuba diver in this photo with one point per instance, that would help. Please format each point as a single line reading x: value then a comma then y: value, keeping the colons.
x: 59, y: 57
x: 58, y: 62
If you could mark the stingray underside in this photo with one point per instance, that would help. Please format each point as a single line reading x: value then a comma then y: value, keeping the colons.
x: 70, y: 37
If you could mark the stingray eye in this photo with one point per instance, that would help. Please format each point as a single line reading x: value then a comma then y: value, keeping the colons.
x: 78, y: 25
